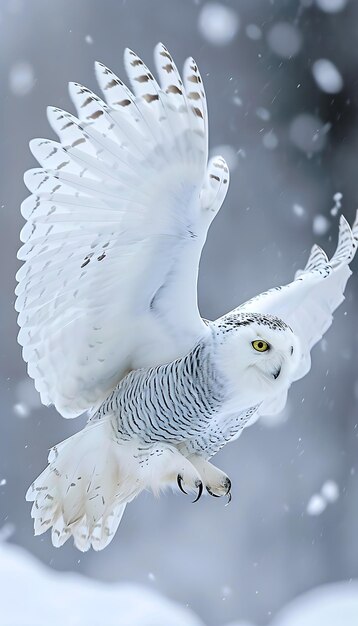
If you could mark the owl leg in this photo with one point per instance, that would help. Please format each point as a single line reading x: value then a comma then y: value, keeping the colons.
x: 216, y: 482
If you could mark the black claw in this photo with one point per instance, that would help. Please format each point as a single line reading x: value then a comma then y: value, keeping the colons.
x: 228, y: 498
x: 228, y: 487
x: 199, y: 485
x: 215, y: 495
x: 180, y: 481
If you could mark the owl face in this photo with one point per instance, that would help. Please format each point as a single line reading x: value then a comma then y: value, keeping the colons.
x: 259, y: 359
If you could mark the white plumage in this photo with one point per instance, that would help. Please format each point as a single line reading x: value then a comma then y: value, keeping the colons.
x: 117, y: 217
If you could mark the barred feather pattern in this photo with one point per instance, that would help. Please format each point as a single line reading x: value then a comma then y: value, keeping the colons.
x: 183, y: 401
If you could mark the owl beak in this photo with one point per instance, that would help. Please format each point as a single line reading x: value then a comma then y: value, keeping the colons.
x: 277, y: 372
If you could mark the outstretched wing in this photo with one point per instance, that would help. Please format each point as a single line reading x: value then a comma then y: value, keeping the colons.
x: 308, y: 303
x: 116, y: 222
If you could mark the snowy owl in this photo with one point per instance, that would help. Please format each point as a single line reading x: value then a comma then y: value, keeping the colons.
x: 107, y: 299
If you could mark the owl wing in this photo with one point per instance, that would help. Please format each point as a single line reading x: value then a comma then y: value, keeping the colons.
x: 308, y: 303
x: 116, y: 221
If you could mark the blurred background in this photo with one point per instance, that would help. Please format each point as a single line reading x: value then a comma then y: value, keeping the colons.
x: 282, y: 89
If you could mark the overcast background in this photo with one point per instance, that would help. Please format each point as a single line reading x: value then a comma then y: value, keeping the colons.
x: 287, y: 124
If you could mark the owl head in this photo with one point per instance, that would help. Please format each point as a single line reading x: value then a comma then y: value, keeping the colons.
x: 258, y: 354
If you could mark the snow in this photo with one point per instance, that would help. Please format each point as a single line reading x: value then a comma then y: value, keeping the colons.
x: 324, y: 344
x: 237, y: 100
x: 320, y: 225
x: 21, y: 410
x: 337, y: 199
x: 89, y: 39
x: 218, y: 24
x: 253, y: 32
x: 327, y: 76
x: 35, y: 595
x: 21, y: 78
x: 2, y: 482
x: 330, y: 605
x: 331, y: 6
x: 318, y: 502
x: 263, y: 114
x: 308, y: 133
x: 270, y: 140
x: 298, y: 210
x: 330, y: 491
x: 316, y: 505
x: 284, y: 39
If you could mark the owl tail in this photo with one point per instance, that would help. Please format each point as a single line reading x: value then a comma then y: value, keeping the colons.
x: 84, y: 489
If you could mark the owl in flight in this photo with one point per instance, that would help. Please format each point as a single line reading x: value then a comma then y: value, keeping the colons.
x: 107, y: 299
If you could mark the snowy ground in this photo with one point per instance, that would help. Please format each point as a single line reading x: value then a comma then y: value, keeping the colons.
x: 33, y: 595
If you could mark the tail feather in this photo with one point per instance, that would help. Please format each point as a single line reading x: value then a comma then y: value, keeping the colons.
x: 84, y: 489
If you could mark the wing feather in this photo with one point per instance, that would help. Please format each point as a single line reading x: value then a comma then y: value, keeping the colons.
x: 116, y: 222
x: 308, y: 303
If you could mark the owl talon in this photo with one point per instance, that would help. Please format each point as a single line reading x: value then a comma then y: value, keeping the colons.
x: 228, y: 498
x: 199, y: 485
x: 211, y: 493
x: 180, y: 484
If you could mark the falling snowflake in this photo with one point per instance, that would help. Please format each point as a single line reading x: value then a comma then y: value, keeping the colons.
x: 320, y: 225
x: 21, y: 78
x: 308, y: 133
x: 21, y: 410
x: 331, y: 6
x: 298, y: 210
x: 218, y: 24
x: 316, y: 505
x: 253, y: 32
x: 270, y: 140
x: 263, y: 114
x: 284, y: 39
x: 237, y: 100
x: 330, y: 491
x: 318, y: 502
x: 337, y: 199
x: 327, y: 76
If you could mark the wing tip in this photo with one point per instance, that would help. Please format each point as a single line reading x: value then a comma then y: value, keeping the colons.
x: 355, y: 227
x: 343, y: 223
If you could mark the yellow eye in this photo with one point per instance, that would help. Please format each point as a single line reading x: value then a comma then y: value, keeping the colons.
x: 260, y: 346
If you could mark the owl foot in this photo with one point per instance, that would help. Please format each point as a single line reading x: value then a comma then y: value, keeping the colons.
x: 216, y: 482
